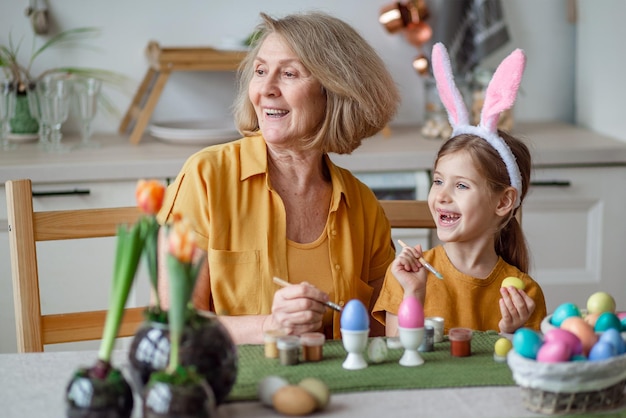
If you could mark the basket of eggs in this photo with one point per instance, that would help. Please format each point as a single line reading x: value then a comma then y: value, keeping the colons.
x: 577, y: 363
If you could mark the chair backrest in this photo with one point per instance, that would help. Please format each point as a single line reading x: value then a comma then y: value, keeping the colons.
x: 408, y: 213
x: 26, y: 227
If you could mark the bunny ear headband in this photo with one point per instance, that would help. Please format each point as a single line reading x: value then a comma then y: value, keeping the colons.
x: 499, y: 96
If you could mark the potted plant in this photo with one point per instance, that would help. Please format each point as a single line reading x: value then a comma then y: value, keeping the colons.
x: 179, y: 390
x: 204, y: 343
x: 22, y: 75
x: 101, y: 390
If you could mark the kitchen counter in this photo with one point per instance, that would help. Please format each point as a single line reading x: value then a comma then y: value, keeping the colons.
x: 553, y: 144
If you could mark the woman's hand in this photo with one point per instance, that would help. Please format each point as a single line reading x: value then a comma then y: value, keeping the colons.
x: 409, y: 272
x: 297, y: 309
x: 516, y: 308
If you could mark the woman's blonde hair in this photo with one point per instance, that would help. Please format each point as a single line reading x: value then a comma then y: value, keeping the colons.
x: 510, y: 243
x: 361, y: 96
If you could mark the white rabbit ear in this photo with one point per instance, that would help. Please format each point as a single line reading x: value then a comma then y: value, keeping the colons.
x: 502, y: 89
x: 448, y: 92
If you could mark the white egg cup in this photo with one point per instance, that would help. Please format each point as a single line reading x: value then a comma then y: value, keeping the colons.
x: 355, y: 343
x: 411, y: 338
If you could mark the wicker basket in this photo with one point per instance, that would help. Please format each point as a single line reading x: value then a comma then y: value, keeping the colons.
x: 570, y: 387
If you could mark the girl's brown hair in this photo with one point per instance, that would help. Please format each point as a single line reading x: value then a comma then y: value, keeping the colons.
x: 361, y: 96
x: 510, y: 243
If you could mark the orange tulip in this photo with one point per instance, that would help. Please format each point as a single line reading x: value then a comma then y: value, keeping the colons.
x: 182, y: 241
x: 149, y: 195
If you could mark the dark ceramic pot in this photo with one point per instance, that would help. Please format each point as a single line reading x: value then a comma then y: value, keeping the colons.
x: 205, y: 344
x: 90, y: 397
x: 166, y: 400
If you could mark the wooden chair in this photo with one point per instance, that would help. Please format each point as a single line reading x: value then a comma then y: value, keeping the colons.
x: 26, y: 228
x: 408, y: 213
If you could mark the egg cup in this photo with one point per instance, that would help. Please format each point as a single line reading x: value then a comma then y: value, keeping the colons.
x: 355, y: 343
x: 411, y: 338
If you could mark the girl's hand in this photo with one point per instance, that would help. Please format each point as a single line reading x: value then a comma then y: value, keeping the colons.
x: 409, y: 272
x: 516, y: 308
x: 297, y: 309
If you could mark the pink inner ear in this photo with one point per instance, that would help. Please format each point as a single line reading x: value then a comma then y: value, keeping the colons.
x: 448, y: 92
x: 445, y: 84
x: 502, y: 89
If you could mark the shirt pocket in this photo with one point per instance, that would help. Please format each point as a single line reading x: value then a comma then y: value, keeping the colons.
x: 236, y: 285
x: 363, y: 292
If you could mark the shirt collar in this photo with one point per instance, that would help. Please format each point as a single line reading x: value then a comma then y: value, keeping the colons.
x: 253, y: 155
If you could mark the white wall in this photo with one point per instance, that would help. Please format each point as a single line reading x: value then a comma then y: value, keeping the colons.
x: 601, y: 67
x: 537, y: 26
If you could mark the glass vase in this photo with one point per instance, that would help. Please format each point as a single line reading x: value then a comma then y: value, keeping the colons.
x: 206, y: 345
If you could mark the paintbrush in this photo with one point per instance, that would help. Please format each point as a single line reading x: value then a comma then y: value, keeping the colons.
x: 331, y: 305
x: 424, y: 263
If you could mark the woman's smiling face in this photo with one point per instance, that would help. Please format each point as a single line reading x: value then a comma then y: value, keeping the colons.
x: 289, y: 102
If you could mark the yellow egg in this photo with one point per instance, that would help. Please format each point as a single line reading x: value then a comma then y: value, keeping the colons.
x: 502, y: 347
x: 294, y: 401
x: 318, y: 389
x: 513, y: 281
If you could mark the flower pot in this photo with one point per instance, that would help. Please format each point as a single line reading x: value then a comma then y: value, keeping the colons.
x: 22, y: 122
x: 205, y: 344
x: 91, y: 397
x: 169, y: 400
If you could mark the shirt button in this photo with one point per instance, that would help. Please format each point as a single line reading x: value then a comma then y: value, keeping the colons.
x: 337, y: 266
x: 333, y: 233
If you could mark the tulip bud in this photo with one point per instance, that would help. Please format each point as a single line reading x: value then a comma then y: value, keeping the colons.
x: 149, y: 195
x: 182, y: 241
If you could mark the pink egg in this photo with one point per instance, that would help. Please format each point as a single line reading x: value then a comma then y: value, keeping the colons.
x: 621, y: 315
x: 411, y: 313
x: 567, y: 337
x: 554, y: 352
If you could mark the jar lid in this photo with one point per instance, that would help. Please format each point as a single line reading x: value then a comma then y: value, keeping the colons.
x: 272, y: 335
x: 312, y: 338
x: 288, y: 342
x: 460, y: 334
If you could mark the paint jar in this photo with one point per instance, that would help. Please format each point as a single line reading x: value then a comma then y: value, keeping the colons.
x: 269, y: 338
x: 460, y: 342
x: 312, y: 346
x: 427, y: 344
x: 437, y: 323
x: 288, y: 349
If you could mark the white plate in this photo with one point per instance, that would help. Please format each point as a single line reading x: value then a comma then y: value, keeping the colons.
x: 196, y: 132
x: 22, y: 137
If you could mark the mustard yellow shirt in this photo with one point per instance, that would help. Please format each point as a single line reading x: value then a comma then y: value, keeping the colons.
x: 462, y: 300
x: 224, y: 191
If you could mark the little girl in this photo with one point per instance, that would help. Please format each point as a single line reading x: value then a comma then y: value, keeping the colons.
x: 480, y: 178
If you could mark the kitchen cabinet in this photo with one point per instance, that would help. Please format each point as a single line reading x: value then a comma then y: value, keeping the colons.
x: 572, y: 219
x: 75, y: 274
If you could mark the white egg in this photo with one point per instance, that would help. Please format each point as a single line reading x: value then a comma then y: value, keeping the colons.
x: 268, y: 386
x: 377, y: 350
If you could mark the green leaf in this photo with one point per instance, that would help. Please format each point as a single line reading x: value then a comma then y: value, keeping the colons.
x: 130, y: 243
x: 151, y: 236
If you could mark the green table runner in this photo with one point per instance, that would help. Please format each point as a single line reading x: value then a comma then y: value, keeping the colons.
x: 440, y: 369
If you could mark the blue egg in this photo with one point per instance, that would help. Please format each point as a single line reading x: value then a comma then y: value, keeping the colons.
x: 527, y: 342
x: 354, y: 316
x: 614, y: 337
x: 602, y: 351
x: 562, y: 312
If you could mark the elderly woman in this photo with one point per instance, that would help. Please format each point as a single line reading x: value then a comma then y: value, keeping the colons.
x: 272, y: 204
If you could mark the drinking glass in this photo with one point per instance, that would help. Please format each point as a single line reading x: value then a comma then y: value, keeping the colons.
x: 54, y: 98
x: 7, y: 110
x: 34, y: 106
x: 87, y: 91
